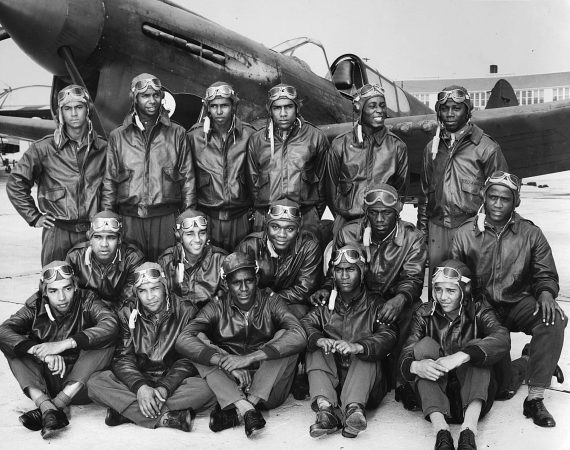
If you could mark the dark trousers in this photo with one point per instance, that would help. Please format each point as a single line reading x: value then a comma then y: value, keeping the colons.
x: 227, y: 234
x: 31, y: 373
x: 439, y: 245
x: 404, y: 321
x: 106, y: 389
x: 56, y: 242
x: 474, y: 384
x: 152, y: 235
x: 545, y: 345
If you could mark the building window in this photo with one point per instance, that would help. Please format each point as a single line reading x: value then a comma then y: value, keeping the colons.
x: 561, y: 93
x: 530, y: 96
x: 480, y: 98
x: 423, y: 97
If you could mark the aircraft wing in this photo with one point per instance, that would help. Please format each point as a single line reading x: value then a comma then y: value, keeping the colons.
x: 25, y: 128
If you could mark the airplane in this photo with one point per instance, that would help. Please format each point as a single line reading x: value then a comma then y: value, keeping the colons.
x: 102, y: 45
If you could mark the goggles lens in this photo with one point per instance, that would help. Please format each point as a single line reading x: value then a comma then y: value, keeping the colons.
x: 49, y: 275
x: 106, y: 224
x: 142, y: 85
x: 223, y: 91
x: 512, y: 181
x: 277, y: 211
x: 370, y: 90
x: 450, y: 274
x: 380, y: 195
x: 148, y: 276
x: 282, y: 91
x: 199, y: 222
x: 351, y: 255
x: 72, y: 92
x: 457, y: 95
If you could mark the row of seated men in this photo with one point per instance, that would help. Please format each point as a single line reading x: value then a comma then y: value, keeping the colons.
x: 204, y: 329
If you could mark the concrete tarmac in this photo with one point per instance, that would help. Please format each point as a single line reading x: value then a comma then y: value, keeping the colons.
x: 389, y: 426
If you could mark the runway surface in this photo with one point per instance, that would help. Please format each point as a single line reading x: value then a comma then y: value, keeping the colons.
x: 389, y: 427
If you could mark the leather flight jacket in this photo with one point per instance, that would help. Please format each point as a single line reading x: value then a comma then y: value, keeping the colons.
x: 476, y: 331
x: 69, y: 185
x: 113, y: 281
x: 293, y: 275
x: 353, y: 168
x: 294, y: 171
x: 355, y: 323
x: 90, y: 323
x: 146, y: 354
x: 148, y: 177
x: 222, y: 189
x: 201, y: 282
x: 239, y: 332
x: 396, y: 265
x: 508, y: 265
x: 452, y: 182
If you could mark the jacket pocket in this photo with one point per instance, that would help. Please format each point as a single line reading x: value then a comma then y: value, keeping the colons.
x: 344, y: 196
x: 205, y: 187
x: 55, y: 201
x: 311, y: 184
x: 171, y: 184
x: 124, y: 184
x: 472, y: 194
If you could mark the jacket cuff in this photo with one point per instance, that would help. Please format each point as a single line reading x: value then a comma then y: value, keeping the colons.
x: 81, y: 339
x: 475, y: 353
x: 271, y: 352
x: 161, y: 383
x: 312, y: 341
x: 136, y: 386
x: 22, y: 348
x: 206, y: 355
x: 405, y: 369
x: 33, y: 222
x: 547, y: 289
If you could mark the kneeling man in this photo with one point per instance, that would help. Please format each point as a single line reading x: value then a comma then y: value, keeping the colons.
x: 151, y: 384
x: 247, y: 350
x: 346, y: 346
x: 54, y: 343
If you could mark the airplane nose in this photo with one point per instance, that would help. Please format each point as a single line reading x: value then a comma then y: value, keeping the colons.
x: 41, y: 28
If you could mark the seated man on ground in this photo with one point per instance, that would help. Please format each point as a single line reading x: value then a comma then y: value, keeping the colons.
x: 54, y: 343
x: 514, y: 268
x: 104, y: 263
x: 192, y: 266
x: 346, y: 347
x: 245, y: 346
x: 151, y: 384
x: 448, y: 356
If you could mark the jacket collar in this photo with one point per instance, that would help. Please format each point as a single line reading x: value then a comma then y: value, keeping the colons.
x: 513, y: 224
x: 356, y: 303
x: 88, y: 260
x: 396, y: 235
x: 377, y: 137
x: 132, y: 118
x: 46, y: 310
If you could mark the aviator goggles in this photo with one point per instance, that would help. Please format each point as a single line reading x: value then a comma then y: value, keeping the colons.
x: 352, y: 256
x: 457, y: 95
x: 148, y: 276
x: 224, y: 91
x: 49, y: 275
x: 380, y: 195
x: 507, y: 179
x: 277, y: 92
x: 370, y: 90
x: 73, y: 92
x: 142, y: 85
x: 106, y: 224
x: 199, y: 222
x: 278, y: 211
x: 448, y: 274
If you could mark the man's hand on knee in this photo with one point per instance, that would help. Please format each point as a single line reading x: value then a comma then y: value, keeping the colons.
x: 549, y: 306
x: 428, y: 369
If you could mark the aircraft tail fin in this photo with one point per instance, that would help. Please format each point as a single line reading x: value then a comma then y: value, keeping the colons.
x: 502, y: 95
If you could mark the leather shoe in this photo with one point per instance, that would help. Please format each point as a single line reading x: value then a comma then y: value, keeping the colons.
x: 466, y: 440
x: 254, y: 422
x: 222, y: 419
x: 52, y: 421
x: 326, y: 422
x: 406, y: 395
x: 179, y: 420
x: 32, y: 420
x: 444, y: 441
x: 540, y: 415
x: 355, y: 420
x: 114, y: 418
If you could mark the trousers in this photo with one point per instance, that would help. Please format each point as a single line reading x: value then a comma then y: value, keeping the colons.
x: 152, y: 235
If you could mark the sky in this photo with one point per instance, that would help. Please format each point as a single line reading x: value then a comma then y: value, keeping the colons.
x: 404, y: 39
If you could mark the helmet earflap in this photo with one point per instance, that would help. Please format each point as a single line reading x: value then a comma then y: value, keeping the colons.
x: 177, y: 235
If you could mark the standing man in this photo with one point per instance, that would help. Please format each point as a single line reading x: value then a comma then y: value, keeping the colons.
x: 253, y: 342
x: 286, y: 160
x: 218, y: 146
x: 513, y: 266
x: 104, y: 263
x: 456, y: 163
x: 151, y: 384
x: 364, y: 157
x: 68, y: 169
x: 346, y: 346
x: 149, y: 176
x: 54, y: 343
